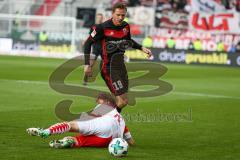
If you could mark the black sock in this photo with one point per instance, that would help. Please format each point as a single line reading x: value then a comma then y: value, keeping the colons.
x: 119, y: 109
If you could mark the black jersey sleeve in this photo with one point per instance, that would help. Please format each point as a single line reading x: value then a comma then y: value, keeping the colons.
x: 96, y: 34
x: 135, y: 45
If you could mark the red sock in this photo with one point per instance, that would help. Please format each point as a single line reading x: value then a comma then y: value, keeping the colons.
x: 59, y: 128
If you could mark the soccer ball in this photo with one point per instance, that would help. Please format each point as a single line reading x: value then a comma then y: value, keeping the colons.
x: 118, y: 147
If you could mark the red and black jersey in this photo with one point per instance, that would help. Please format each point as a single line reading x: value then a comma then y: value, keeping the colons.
x: 114, y: 41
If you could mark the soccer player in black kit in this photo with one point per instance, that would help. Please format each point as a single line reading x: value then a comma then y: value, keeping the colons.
x: 115, y: 38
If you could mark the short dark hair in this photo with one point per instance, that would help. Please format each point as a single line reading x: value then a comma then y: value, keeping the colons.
x: 119, y: 5
x: 107, y: 97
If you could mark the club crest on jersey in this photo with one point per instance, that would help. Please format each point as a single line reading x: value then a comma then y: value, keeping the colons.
x: 125, y: 31
x: 93, y: 34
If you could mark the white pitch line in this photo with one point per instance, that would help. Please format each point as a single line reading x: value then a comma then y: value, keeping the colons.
x: 204, y: 95
x: 105, y: 88
x: 24, y: 81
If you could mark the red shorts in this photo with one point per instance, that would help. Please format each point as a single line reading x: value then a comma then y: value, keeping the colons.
x: 91, y: 141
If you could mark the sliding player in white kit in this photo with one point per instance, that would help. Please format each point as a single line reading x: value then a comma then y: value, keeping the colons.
x: 97, y: 128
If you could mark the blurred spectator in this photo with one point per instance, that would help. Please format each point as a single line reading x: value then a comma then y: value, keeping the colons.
x: 147, y: 42
x: 187, y: 7
x: 117, y: 1
x: 238, y: 47
x: 237, y: 4
x: 218, y: 1
x: 43, y: 36
x: 133, y: 3
x: 126, y: 19
x: 190, y: 46
x: 226, y: 3
x: 178, y: 5
x: 232, y: 49
x: 197, y: 45
x: 171, y: 43
x: 148, y: 3
x: 99, y: 18
x: 231, y: 4
x: 17, y: 30
x: 17, y: 21
x: 163, y: 5
x: 220, y: 46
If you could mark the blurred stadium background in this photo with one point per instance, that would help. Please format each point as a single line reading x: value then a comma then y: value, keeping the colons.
x: 197, y: 31
x: 197, y: 40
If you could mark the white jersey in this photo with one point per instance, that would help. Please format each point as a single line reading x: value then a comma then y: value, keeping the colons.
x: 104, y: 121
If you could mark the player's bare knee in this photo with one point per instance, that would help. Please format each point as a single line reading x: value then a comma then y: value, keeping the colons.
x: 125, y: 102
x: 122, y: 103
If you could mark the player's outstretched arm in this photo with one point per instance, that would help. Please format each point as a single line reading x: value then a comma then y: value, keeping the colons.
x: 131, y: 141
x: 140, y: 47
x: 96, y: 33
x: 87, y: 50
x: 128, y: 137
x: 147, y: 51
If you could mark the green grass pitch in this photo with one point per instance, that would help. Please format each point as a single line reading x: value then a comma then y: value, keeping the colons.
x: 208, y: 97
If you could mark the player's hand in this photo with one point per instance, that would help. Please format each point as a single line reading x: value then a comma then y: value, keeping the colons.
x: 147, y: 51
x: 88, y: 70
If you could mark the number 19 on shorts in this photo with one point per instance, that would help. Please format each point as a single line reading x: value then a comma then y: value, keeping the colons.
x: 117, y: 85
